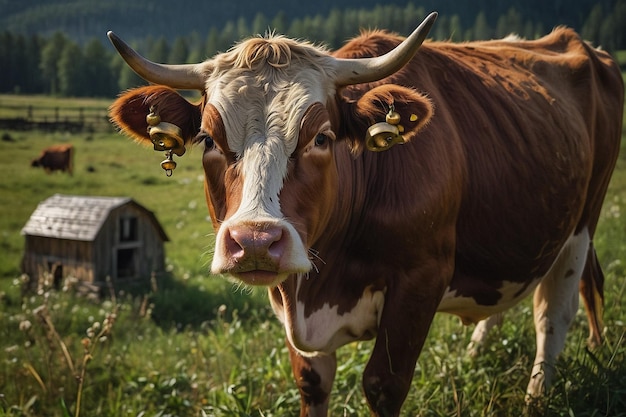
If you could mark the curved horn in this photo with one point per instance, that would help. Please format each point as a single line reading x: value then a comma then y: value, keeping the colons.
x: 364, y: 70
x: 184, y: 77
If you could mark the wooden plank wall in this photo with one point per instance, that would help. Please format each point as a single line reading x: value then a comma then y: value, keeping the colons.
x: 94, y: 262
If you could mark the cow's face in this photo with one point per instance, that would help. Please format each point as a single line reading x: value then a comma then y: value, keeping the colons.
x: 268, y: 123
x: 267, y: 140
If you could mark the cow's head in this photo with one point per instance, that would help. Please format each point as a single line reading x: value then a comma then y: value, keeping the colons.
x: 270, y: 115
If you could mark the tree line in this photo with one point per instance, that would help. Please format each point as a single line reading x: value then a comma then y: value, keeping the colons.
x: 59, y: 65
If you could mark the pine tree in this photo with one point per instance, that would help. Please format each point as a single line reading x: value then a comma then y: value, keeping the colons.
x: 160, y: 50
x: 279, y: 23
x: 179, y: 52
x: 456, y: 31
x: 71, y: 71
x: 243, y: 31
x: 482, y: 31
x: 98, y: 73
x: 591, y: 28
x: 7, y: 64
x: 29, y: 68
x: 259, y: 24
x: 50, y: 55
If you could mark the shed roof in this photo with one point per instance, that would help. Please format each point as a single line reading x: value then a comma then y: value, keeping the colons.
x: 78, y: 217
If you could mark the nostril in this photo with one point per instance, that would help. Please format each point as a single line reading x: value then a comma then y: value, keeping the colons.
x: 234, y: 242
x: 277, y: 247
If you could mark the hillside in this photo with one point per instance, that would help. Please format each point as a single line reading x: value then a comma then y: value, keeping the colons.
x: 85, y: 19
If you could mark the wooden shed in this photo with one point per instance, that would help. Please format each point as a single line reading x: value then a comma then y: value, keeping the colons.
x: 92, y: 238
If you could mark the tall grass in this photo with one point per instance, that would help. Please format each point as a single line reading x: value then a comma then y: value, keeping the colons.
x: 196, y: 345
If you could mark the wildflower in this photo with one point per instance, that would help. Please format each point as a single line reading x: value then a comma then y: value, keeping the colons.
x: 25, y: 325
x: 40, y: 311
x: 108, y: 322
x: 86, y: 343
x: 69, y: 283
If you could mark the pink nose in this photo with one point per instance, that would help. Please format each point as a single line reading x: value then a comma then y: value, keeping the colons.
x: 253, y: 247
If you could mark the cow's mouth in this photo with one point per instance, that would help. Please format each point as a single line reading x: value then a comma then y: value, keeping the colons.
x: 260, y: 278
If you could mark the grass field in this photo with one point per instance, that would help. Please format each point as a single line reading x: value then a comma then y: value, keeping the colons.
x: 196, y: 345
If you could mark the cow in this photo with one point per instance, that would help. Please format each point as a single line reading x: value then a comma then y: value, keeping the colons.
x: 371, y: 187
x: 55, y: 158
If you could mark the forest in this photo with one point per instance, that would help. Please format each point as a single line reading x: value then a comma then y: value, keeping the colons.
x: 60, y: 48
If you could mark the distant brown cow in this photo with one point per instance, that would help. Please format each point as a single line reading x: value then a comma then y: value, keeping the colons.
x: 55, y: 158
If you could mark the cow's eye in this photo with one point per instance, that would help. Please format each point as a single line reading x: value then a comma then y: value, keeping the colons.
x: 209, y: 143
x: 203, y: 136
x: 321, y: 139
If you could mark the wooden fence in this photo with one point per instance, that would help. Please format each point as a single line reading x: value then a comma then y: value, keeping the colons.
x: 54, y: 119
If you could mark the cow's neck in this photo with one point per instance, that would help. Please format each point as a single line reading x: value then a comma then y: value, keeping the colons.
x: 329, y: 307
x: 333, y: 323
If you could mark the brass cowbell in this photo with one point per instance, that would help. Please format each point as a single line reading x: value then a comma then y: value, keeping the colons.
x: 165, y: 137
x: 382, y: 136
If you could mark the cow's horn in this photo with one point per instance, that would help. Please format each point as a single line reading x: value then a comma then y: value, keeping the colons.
x: 184, y: 77
x: 364, y: 70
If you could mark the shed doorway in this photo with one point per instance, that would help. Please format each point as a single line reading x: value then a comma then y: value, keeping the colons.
x: 126, y: 263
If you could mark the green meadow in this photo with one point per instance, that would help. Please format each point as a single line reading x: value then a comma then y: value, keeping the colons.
x: 192, y: 344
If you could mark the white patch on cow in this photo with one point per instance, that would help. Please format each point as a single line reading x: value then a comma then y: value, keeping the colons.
x: 513, y: 292
x: 325, y: 330
x: 471, y: 312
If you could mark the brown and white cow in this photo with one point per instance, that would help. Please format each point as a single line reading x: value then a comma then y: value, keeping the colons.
x: 55, y: 158
x: 496, y: 193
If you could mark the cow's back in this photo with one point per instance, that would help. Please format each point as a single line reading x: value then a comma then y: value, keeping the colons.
x: 536, y: 121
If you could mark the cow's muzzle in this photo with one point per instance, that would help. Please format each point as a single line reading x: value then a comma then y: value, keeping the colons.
x: 259, y: 253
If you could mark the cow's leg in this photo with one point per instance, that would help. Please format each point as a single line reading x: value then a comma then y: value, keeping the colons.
x: 481, y: 331
x: 555, y: 304
x: 404, y: 325
x: 314, y: 377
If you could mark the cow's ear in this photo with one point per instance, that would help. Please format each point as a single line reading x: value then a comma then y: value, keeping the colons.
x: 130, y: 109
x: 414, y: 109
